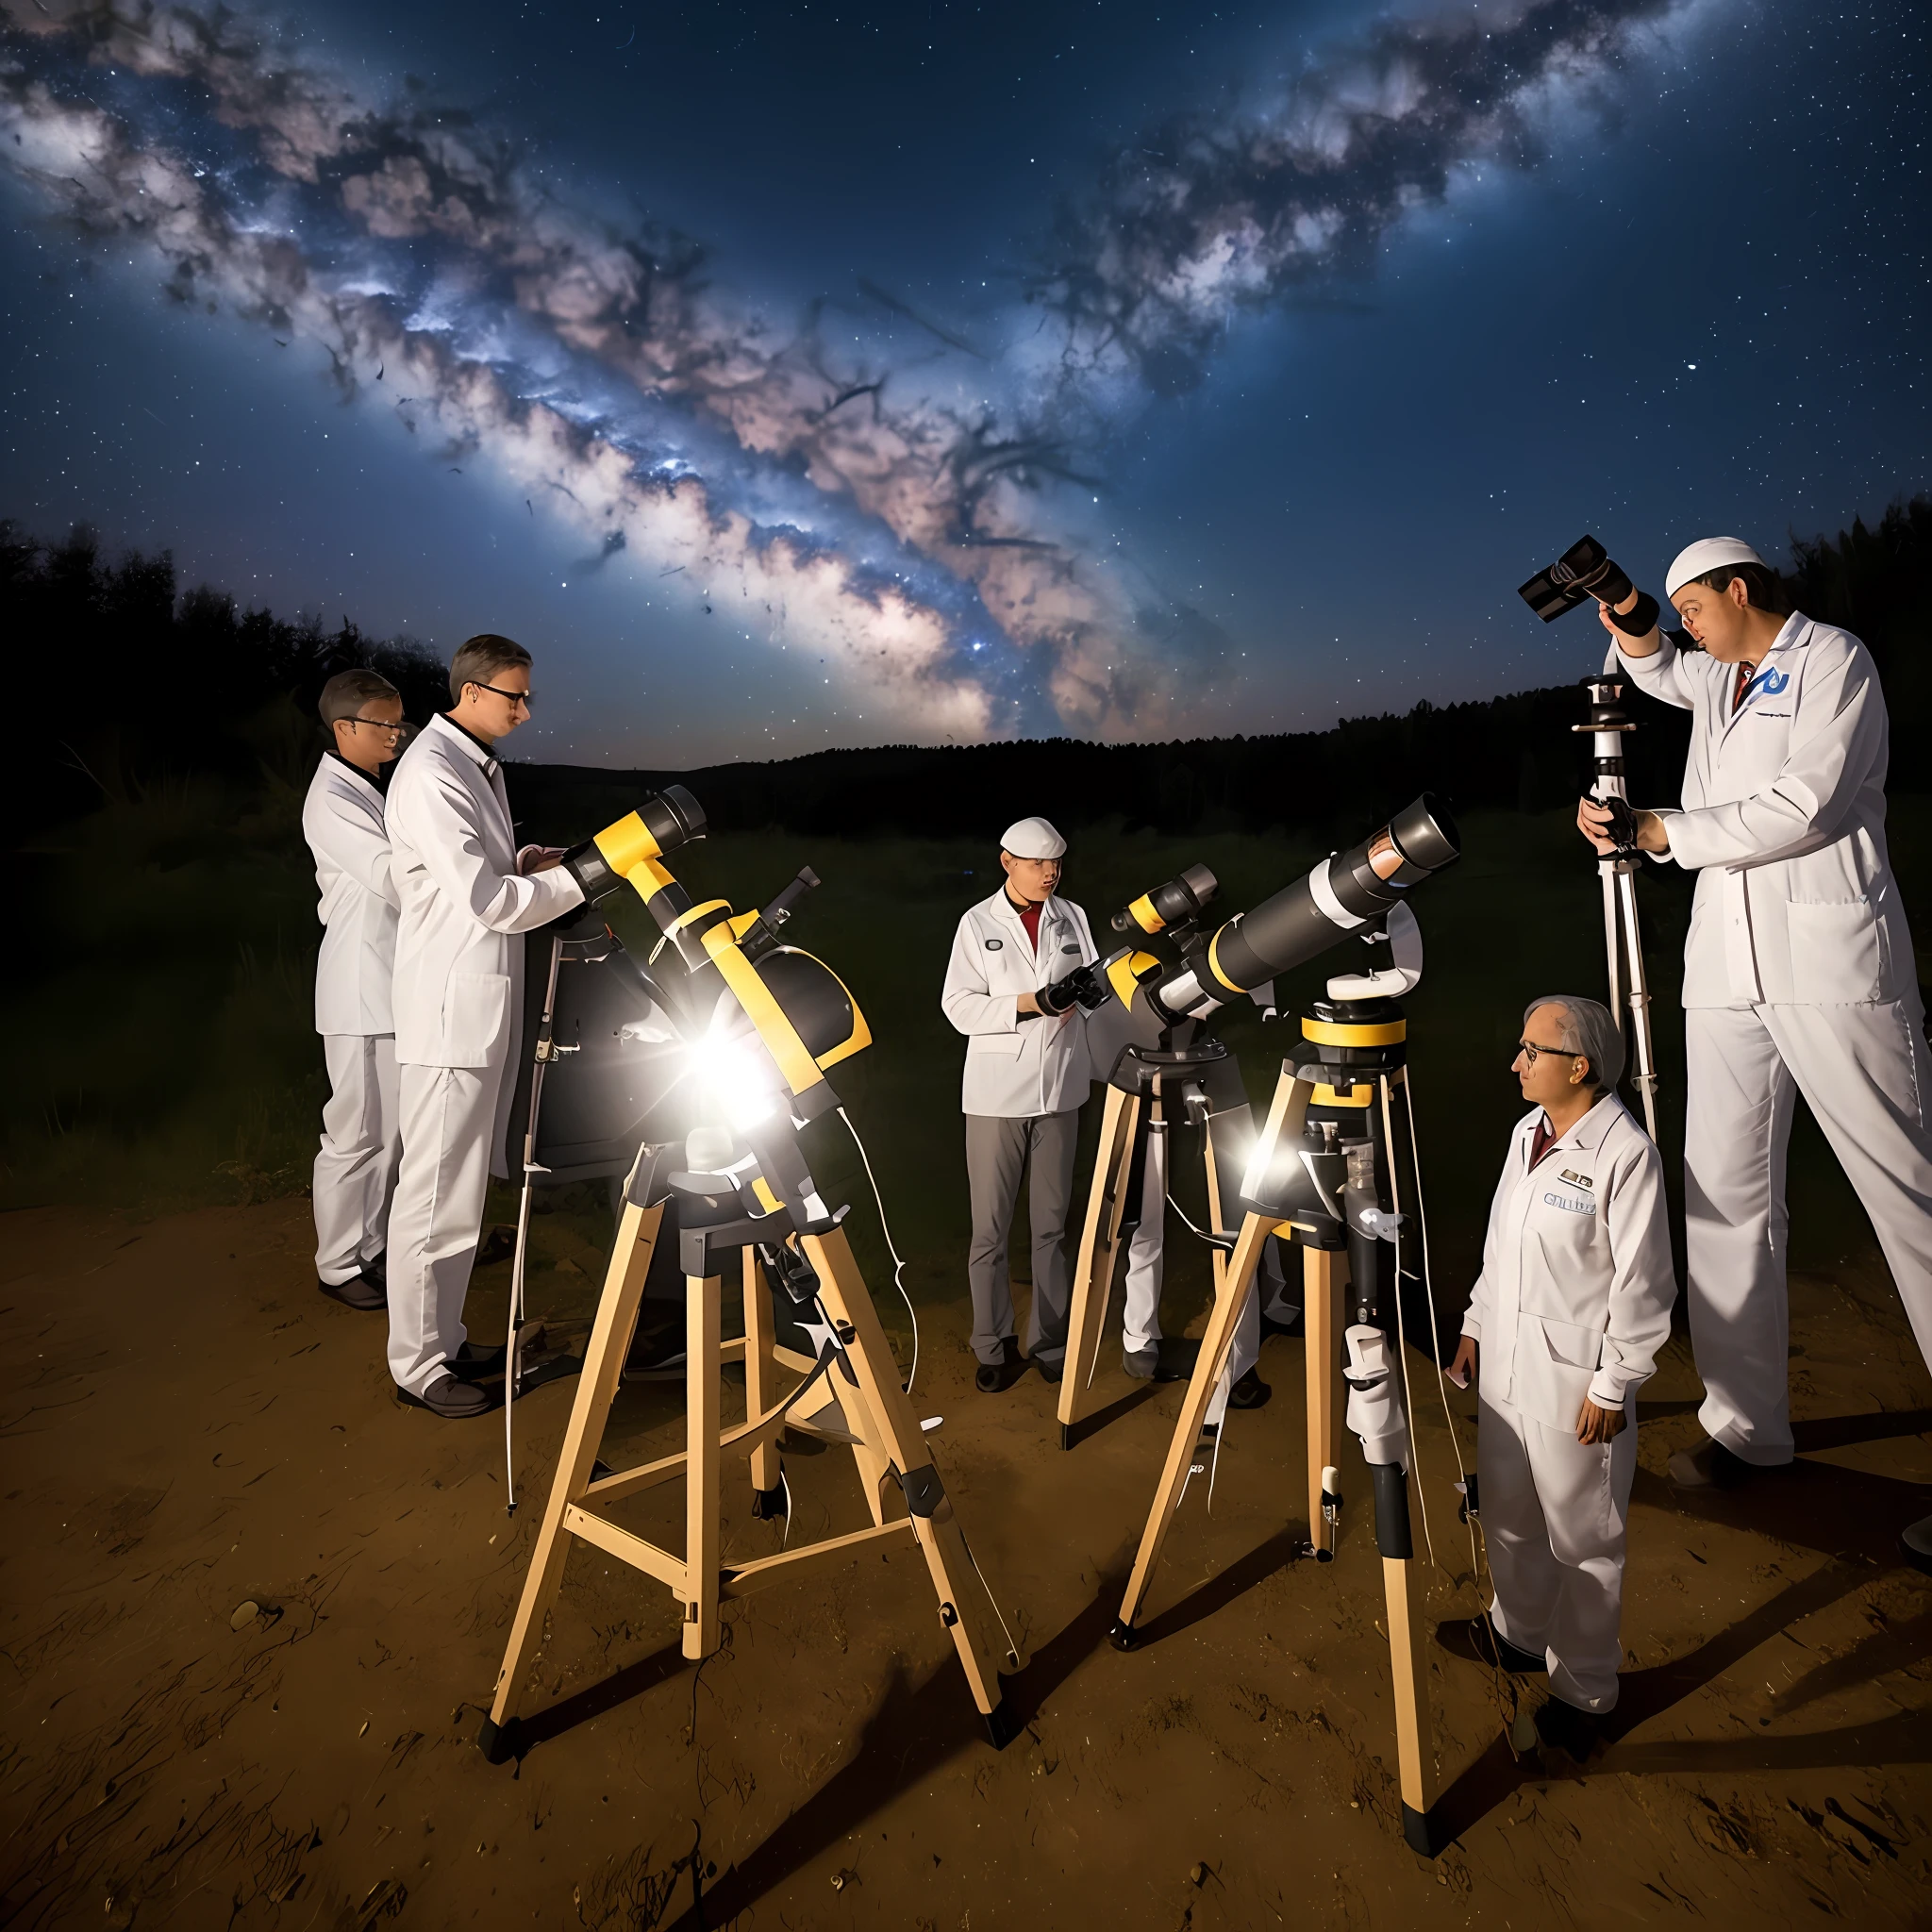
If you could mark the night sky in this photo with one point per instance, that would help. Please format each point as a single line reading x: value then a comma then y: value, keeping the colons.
x: 790, y: 376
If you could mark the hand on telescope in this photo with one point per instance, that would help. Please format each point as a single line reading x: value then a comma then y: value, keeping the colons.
x: 1645, y: 646
x: 535, y: 858
x: 1594, y: 1425
x: 1593, y: 820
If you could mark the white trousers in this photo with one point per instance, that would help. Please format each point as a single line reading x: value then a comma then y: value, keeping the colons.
x: 449, y: 1118
x: 1863, y: 1073
x: 1554, y: 1513
x: 356, y: 1169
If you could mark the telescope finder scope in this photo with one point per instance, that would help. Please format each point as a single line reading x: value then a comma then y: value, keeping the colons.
x: 665, y: 821
x: 1179, y: 902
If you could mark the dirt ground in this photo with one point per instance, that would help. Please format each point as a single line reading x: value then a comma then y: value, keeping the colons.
x: 188, y: 1425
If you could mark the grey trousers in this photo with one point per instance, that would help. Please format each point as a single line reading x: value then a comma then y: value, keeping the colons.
x: 999, y: 1153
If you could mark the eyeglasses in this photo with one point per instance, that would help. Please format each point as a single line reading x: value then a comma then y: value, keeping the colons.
x: 401, y: 728
x: 1531, y: 1049
x: 526, y: 698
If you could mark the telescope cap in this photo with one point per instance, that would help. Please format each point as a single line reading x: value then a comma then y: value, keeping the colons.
x: 1033, y: 839
x: 1706, y: 555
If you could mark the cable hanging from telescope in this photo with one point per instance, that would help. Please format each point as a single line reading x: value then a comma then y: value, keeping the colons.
x: 898, y: 1266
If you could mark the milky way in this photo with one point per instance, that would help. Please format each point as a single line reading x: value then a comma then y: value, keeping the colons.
x: 912, y: 510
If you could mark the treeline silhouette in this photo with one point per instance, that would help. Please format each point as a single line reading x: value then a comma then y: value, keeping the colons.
x: 130, y: 682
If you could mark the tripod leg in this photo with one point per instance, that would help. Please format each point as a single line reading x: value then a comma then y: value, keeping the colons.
x: 702, y: 1329
x: 1321, y: 1330
x: 617, y: 1309
x: 1401, y: 1589
x: 1229, y: 1300
x: 1613, y: 946
x: 759, y: 1340
x: 843, y: 1293
x: 1092, y: 1293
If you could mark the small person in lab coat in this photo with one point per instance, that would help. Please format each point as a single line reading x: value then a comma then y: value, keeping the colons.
x: 343, y: 821
x: 1026, y: 1081
x: 1572, y: 1306
x: 467, y: 894
x: 1798, y: 976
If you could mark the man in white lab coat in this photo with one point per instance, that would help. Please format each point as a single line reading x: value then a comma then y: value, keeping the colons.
x: 1572, y: 1306
x: 343, y: 821
x: 1798, y: 975
x: 1026, y: 1081
x: 467, y: 896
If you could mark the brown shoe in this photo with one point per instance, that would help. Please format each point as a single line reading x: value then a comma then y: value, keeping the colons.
x: 449, y: 1398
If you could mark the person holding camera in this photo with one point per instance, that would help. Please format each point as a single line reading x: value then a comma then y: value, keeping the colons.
x: 1563, y: 1327
x: 467, y: 894
x: 343, y: 821
x: 1799, y: 974
x: 1025, y: 1080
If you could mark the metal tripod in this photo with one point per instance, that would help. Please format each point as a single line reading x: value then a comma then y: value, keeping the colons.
x: 1623, y: 933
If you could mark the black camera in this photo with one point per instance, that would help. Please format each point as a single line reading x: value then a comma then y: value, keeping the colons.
x: 1586, y: 570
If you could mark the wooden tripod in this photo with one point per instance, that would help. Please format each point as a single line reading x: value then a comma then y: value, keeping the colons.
x: 850, y: 1394
x: 1323, y: 1242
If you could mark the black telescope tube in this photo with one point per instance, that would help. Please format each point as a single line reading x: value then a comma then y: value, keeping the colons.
x: 1361, y: 884
x: 673, y: 818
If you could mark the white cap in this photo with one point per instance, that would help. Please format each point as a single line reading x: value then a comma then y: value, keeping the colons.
x: 1706, y: 555
x: 1032, y: 838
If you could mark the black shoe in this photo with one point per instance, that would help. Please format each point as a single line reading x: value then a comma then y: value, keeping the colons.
x: 499, y: 1244
x: 472, y: 1364
x: 995, y: 1378
x: 449, y: 1398
x: 358, y: 1291
x: 1561, y: 1726
x: 377, y: 1270
x: 1915, y: 1543
x: 1049, y: 1371
x: 1250, y: 1391
x: 1478, y: 1641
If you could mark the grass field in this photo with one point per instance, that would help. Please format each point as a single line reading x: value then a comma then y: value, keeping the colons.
x: 164, y: 1055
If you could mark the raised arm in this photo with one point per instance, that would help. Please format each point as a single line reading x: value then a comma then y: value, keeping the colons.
x: 452, y: 850
x: 1838, y: 741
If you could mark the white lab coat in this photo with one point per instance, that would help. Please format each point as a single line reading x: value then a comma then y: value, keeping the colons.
x: 343, y: 821
x: 1798, y: 978
x: 1017, y: 1068
x: 1783, y: 819
x: 1573, y: 1301
x: 1577, y: 1281
x: 460, y: 956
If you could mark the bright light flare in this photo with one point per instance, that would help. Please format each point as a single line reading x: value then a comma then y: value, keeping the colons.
x: 736, y: 1075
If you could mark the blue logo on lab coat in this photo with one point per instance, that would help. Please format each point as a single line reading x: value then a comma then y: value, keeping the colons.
x: 1768, y: 683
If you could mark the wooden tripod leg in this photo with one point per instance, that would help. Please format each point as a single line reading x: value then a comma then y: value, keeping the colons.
x: 1106, y: 1205
x: 760, y: 1338
x: 1415, y: 1747
x: 617, y: 1312
x: 1230, y: 1299
x: 842, y: 1293
x: 703, y: 1326
x: 1322, y: 1268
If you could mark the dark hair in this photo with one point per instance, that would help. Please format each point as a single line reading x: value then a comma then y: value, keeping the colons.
x: 481, y: 659
x: 347, y: 691
x: 1761, y: 585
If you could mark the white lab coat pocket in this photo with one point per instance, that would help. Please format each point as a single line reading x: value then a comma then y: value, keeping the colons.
x: 1007, y: 1044
x: 1554, y: 1361
x: 1837, y: 957
x: 475, y: 1018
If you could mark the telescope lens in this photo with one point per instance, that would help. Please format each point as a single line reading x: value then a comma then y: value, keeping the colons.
x: 673, y: 818
x: 1425, y: 833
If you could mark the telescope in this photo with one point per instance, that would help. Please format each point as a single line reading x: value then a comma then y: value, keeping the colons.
x: 1347, y: 892
x: 745, y: 1043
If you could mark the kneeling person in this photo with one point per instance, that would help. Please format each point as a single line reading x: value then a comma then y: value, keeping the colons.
x: 1572, y: 1306
x: 343, y: 821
